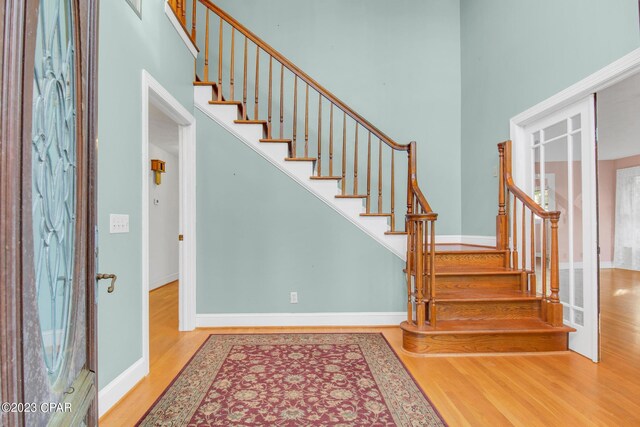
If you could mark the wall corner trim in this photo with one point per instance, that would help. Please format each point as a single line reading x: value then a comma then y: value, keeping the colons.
x: 174, y: 21
x: 300, y: 319
x: 110, y: 394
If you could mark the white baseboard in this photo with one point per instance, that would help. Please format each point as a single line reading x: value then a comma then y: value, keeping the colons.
x: 606, y: 264
x: 467, y: 239
x: 110, y: 394
x: 300, y: 319
x: 163, y: 281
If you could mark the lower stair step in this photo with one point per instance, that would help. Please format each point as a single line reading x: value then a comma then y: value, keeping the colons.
x: 487, y: 304
x: 485, y: 336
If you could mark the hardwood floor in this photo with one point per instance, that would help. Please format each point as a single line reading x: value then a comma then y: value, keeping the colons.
x: 527, y: 390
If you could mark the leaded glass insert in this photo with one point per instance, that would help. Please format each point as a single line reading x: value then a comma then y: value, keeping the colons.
x: 54, y: 177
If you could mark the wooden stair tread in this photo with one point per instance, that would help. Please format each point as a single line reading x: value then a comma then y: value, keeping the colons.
x: 216, y: 102
x: 351, y: 196
x: 274, y: 140
x: 376, y: 214
x: 300, y: 159
x: 250, y: 122
x: 326, y: 178
x: 395, y: 233
x: 485, y: 294
x: 201, y: 83
x: 463, y: 247
x: 481, y: 327
x: 475, y: 270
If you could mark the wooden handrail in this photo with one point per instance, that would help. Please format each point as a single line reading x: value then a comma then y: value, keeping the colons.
x: 516, y: 191
x: 303, y: 76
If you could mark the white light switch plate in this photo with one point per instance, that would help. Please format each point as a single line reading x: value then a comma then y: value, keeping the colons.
x: 118, y: 223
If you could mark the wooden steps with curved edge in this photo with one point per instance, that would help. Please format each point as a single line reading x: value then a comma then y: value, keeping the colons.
x: 326, y: 178
x: 483, y: 306
x: 485, y: 336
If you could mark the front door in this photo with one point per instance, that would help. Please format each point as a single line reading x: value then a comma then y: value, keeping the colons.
x: 562, y: 149
x: 51, y: 377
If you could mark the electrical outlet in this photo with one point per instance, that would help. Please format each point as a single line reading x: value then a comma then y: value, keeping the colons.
x: 118, y: 223
x: 293, y: 297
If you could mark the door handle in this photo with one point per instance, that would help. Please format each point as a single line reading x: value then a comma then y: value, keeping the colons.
x: 113, y: 278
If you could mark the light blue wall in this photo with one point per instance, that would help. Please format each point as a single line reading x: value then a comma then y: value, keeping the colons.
x: 128, y: 45
x: 261, y: 235
x: 397, y: 64
x: 516, y: 53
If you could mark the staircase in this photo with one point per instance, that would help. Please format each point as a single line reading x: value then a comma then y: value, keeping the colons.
x: 460, y: 298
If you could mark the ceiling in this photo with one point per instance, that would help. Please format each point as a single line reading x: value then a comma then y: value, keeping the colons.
x: 163, y: 131
x: 619, y: 120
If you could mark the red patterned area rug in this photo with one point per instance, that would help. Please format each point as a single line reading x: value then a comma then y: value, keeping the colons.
x: 293, y: 380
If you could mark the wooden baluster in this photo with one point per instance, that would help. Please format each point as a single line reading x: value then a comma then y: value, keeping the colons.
x: 543, y: 244
x: 523, y: 250
x: 532, y: 277
x: 232, y: 70
x: 331, y: 139
x: 554, y: 311
x: 508, y: 227
x: 343, y: 181
x: 270, y: 97
x: 515, y: 232
x: 410, y: 245
x: 244, y: 81
x: 319, y: 162
x: 220, y: 62
x: 306, y: 121
x: 295, y: 116
x: 533, y: 244
x: 420, y: 308
x: 379, y: 176
x: 432, y: 273
x: 255, y: 109
x: 501, y: 220
x: 393, y: 192
x: 183, y: 8
x: 281, y: 101
x: 355, y: 164
x: 193, y: 20
x: 369, y: 174
x: 206, y: 48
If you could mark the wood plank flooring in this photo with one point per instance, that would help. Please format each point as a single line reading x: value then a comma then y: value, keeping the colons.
x: 523, y: 390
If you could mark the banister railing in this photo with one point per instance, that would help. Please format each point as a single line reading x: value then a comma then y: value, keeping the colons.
x: 533, y: 225
x: 318, y: 126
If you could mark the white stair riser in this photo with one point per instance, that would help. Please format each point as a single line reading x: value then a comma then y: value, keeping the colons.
x: 300, y: 171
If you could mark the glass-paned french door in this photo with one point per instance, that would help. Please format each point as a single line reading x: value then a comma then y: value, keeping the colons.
x: 562, y: 152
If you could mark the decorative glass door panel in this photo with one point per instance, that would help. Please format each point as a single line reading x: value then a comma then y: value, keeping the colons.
x: 563, y: 179
x: 58, y: 296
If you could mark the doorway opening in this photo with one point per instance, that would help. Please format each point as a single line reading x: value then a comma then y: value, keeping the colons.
x: 618, y: 109
x: 168, y: 130
x: 585, y: 266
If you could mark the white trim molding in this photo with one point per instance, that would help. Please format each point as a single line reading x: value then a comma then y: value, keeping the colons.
x: 181, y: 32
x: 300, y: 319
x: 110, y: 394
x: 154, y: 93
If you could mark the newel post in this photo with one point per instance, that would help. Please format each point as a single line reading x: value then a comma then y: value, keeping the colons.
x: 502, y: 239
x: 554, y: 307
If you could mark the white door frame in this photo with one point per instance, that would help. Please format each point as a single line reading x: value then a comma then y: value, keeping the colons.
x: 154, y: 93
x: 613, y: 73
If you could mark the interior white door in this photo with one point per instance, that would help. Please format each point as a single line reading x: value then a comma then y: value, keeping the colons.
x: 563, y: 178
